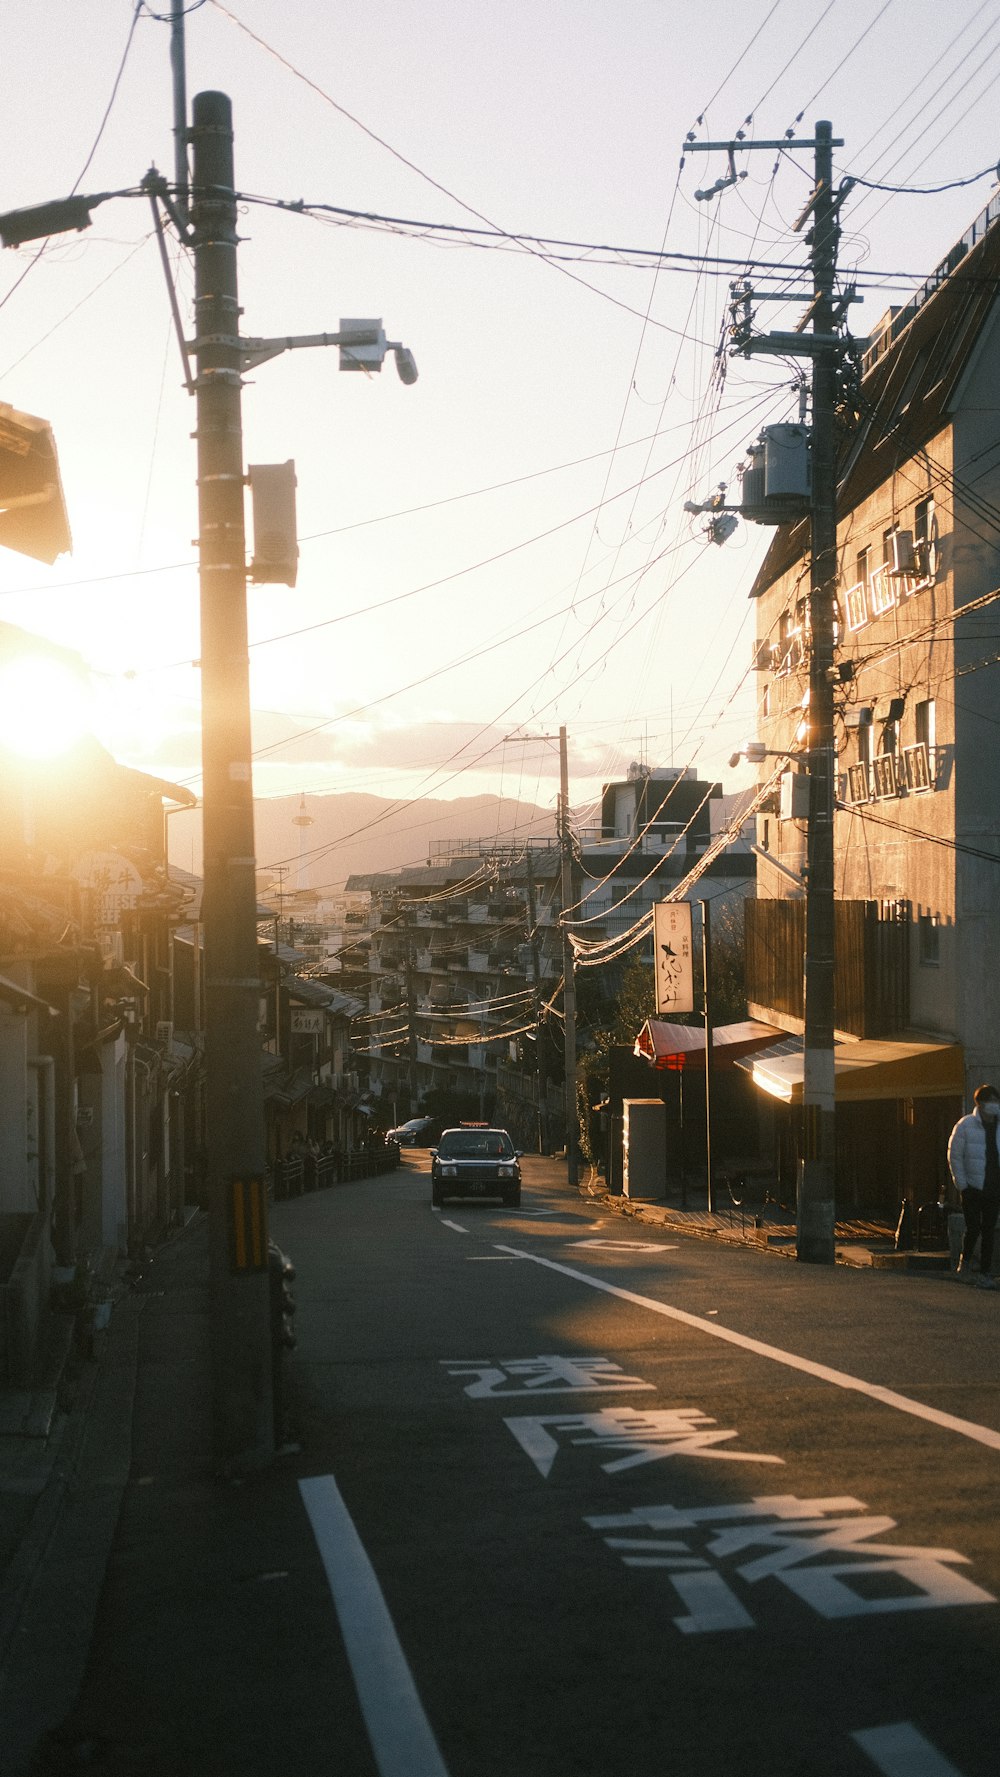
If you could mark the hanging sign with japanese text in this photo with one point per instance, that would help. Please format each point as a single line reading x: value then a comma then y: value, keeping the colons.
x: 674, y: 963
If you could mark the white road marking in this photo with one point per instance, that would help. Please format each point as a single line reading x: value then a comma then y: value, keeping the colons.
x: 456, y: 1225
x: 629, y: 1246
x: 902, y: 1751
x: 402, y: 1739
x: 489, y: 1258
x: 887, y: 1397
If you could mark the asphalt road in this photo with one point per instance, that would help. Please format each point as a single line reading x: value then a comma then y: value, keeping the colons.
x: 593, y: 1501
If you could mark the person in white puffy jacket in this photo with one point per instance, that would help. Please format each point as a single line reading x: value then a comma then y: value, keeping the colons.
x: 975, y: 1167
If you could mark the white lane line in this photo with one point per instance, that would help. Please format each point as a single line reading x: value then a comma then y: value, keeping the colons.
x: 966, y: 1428
x: 901, y: 1751
x: 402, y: 1739
x: 456, y: 1225
x: 490, y: 1258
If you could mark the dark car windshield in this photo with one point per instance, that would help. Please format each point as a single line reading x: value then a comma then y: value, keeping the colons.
x: 476, y: 1144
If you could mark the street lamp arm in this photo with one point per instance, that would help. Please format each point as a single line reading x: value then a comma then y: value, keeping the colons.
x: 362, y: 346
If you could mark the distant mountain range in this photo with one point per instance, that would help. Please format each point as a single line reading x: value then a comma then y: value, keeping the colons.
x: 353, y: 834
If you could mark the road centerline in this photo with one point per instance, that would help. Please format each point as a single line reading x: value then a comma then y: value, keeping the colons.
x: 887, y: 1397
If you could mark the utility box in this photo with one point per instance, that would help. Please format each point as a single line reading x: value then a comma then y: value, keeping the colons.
x: 776, y: 478
x: 786, y: 462
x: 644, y: 1137
x: 794, y: 796
x: 275, y: 542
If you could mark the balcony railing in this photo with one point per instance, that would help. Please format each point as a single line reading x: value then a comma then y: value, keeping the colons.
x: 890, y: 775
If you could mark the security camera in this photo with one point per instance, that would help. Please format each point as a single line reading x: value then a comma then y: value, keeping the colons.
x: 406, y: 364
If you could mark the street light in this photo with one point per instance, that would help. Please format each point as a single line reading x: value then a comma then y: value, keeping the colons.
x: 362, y: 346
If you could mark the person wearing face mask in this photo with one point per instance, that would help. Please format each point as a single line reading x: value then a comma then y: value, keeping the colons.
x: 975, y: 1167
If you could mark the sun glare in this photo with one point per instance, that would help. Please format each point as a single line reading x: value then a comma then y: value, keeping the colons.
x: 44, y: 707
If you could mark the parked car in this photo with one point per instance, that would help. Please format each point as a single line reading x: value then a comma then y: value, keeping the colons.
x: 475, y: 1161
x: 416, y: 1132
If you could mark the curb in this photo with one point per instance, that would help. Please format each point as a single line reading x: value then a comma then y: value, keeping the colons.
x: 852, y: 1253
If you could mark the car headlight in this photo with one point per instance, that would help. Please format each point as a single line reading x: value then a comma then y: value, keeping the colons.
x: 505, y: 1172
x: 449, y: 1172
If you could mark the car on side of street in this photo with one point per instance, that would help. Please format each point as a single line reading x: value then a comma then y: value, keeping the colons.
x: 416, y: 1132
x: 474, y: 1160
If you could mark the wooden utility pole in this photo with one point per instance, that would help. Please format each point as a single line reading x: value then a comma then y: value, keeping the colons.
x: 243, y: 1432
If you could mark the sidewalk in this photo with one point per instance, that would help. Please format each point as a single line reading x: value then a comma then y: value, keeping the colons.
x: 139, y: 1576
x: 768, y: 1226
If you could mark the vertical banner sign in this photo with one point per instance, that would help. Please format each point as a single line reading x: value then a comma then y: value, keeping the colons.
x: 673, y: 957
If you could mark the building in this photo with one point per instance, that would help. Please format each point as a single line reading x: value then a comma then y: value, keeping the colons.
x: 463, y: 954
x: 466, y: 953
x: 917, y: 824
x: 94, y: 1091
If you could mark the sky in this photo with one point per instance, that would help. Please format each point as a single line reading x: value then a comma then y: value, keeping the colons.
x: 501, y: 548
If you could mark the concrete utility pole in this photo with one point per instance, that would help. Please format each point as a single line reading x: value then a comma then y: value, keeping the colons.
x: 816, y: 1185
x: 411, y: 1025
x: 243, y: 1433
x: 569, y: 979
x: 815, y: 1240
x: 536, y: 982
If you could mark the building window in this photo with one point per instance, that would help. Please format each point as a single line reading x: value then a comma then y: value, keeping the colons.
x: 862, y: 564
x: 927, y: 726
x: 929, y: 929
x: 922, y: 515
x: 865, y: 739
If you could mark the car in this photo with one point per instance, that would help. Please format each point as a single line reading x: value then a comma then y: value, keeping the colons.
x: 417, y: 1132
x: 474, y: 1160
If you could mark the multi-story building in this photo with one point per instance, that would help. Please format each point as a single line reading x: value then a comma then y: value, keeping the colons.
x: 463, y: 953
x: 917, y: 823
x: 466, y: 953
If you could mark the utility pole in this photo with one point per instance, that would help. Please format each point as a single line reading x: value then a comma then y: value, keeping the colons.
x: 243, y: 1431
x: 536, y: 981
x: 411, y: 1026
x: 815, y: 1240
x: 815, y: 1218
x: 569, y: 979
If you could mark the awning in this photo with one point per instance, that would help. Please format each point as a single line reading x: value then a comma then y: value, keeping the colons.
x: 681, y: 1046
x: 20, y: 1000
x: 909, y: 1066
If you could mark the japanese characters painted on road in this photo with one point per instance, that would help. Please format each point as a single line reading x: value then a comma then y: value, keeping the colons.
x: 637, y: 1437
x: 539, y: 1375
x: 815, y: 1548
x: 674, y: 961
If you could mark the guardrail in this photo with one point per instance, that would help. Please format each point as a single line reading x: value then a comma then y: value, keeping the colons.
x: 297, y: 1174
